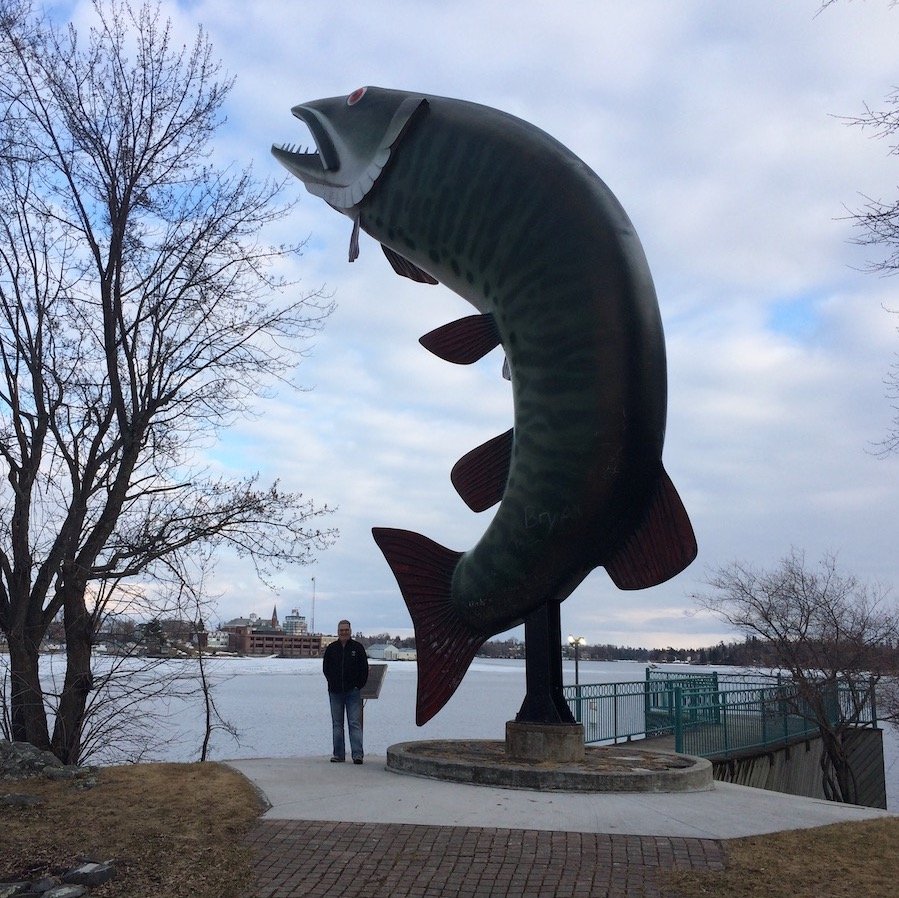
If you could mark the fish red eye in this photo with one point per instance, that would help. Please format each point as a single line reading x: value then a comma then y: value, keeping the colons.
x: 355, y: 96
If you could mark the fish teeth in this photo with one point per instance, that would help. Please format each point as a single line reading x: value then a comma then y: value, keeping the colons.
x: 297, y: 149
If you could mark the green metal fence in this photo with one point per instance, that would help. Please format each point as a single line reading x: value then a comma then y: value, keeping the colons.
x: 698, y: 702
x: 748, y: 719
x: 615, y: 712
x: 767, y: 717
x: 711, y: 715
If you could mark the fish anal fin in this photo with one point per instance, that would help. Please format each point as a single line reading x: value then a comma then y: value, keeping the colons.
x: 464, y: 341
x: 660, y: 548
x: 444, y: 644
x: 402, y: 266
x: 480, y: 475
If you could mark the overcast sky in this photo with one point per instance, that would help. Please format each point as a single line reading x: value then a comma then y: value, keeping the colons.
x: 720, y: 127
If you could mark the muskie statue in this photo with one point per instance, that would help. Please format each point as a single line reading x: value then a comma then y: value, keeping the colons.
x: 512, y: 221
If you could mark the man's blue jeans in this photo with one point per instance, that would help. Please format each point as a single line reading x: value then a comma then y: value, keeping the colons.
x: 349, y: 703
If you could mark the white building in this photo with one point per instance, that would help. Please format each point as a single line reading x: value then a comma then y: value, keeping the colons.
x: 217, y: 639
x: 295, y: 623
x: 389, y: 652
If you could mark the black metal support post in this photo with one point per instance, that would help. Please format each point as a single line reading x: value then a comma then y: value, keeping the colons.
x: 544, y: 701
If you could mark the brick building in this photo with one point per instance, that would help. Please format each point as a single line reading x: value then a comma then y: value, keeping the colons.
x: 252, y: 636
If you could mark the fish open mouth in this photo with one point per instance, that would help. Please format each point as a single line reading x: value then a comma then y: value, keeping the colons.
x: 309, y: 163
x: 306, y: 164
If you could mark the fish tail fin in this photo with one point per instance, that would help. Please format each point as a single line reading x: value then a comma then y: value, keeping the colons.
x: 445, y: 645
x: 661, y: 547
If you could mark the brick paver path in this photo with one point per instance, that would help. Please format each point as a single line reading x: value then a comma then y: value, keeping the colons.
x: 393, y: 860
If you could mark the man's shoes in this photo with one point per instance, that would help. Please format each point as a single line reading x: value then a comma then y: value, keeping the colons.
x: 338, y: 761
x: 357, y: 760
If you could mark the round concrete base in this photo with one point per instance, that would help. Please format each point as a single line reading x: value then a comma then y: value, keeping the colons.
x: 607, y: 768
x: 527, y: 742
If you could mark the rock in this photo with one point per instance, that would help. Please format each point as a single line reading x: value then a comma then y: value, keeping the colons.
x: 22, y: 759
x: 66, y: 772
x: 72, y: 884
x: 85, y: 782
x: 8, y: 889
x: 89, y: 874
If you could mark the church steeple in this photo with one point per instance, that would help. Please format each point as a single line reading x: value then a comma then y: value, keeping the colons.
x: 275, y: 624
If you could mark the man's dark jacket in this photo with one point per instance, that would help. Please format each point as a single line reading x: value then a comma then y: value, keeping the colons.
x: 345, y: 666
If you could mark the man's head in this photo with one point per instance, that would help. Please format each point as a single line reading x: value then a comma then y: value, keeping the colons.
x: 344, y: 630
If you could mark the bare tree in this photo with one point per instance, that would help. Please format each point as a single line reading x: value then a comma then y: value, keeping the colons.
x: 193, y: 596
x: 877, y: 225
x: 142, y: 685
x: 877, y: 222
x: 835, y: 636
x: 139, y: 314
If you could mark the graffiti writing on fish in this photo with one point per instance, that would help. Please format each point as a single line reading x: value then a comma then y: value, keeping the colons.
x: 549, y: 520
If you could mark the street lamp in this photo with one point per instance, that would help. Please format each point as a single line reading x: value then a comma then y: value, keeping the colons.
x: 577, y: 642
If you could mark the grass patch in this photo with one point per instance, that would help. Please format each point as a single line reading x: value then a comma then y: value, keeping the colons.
x: 172, y: 829
x: 845, y: 860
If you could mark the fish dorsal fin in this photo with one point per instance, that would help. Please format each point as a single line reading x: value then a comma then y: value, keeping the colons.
x: 661, y: 547
x: 402, y: 266
x: 480, y: 476
x: 464, y: 341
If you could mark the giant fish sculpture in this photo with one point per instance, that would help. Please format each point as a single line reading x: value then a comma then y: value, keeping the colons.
x: 515, y: 223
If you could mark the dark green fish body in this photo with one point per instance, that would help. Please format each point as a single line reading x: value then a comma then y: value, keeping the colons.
x: 508, y: 218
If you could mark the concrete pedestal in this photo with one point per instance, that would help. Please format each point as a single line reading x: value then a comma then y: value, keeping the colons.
x: 606, y: 768
x: 561, y: 743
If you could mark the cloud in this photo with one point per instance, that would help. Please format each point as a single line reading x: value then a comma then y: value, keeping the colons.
x: 717, y: 126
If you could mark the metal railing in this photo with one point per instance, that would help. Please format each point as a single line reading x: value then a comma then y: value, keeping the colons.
x: 609, y: 712
x: 712, y: 715
x: 662, y: 688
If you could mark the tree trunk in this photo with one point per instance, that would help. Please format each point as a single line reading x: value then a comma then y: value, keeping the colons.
x: 28, y: 714
x: 79, y: 681
x: 839, y: 778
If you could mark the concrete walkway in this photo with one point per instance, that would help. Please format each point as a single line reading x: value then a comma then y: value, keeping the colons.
x: 346, y: 830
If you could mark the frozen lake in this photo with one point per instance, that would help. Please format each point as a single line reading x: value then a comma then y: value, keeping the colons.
x: 280, y: 709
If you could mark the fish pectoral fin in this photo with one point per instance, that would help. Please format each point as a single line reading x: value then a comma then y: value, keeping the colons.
x: 480, y: 475
x: 507, y: 371
x: 661, y: 547
x: 402, y: 266
x: 444, y: 644
x: 464, y: 341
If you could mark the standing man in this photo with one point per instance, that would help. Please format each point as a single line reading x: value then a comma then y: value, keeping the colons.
x: 346, y: 669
